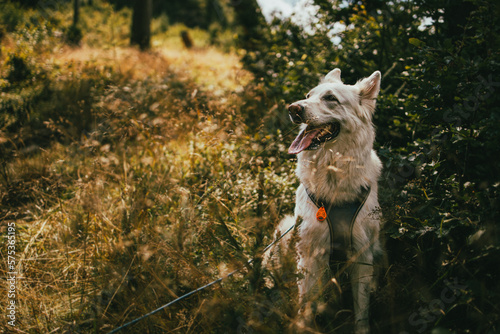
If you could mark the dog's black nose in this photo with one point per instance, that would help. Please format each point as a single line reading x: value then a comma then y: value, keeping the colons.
x: 296, y: 112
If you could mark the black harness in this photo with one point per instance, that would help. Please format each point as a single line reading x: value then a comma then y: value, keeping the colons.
x: 340, y: 220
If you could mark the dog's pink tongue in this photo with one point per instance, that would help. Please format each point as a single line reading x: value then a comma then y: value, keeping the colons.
x: 302, y: 141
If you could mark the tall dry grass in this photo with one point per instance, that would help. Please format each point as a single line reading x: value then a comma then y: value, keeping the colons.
x: 133, y: 180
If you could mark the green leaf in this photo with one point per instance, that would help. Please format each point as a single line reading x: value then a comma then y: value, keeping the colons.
x: 416, y: 42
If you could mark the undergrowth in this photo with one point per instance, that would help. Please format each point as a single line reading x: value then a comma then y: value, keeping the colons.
x: 132, y: 181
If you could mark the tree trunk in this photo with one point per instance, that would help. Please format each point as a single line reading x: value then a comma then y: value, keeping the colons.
x: 76, y: 12
x: 249, y: 16
x: 141, y: 24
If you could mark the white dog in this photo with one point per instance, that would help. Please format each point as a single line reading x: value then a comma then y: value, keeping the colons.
x: 337, y: 169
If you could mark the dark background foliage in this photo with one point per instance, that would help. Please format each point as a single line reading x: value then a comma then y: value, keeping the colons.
x: 437, y: 133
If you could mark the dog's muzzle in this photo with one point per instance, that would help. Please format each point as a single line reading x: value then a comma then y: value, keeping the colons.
x: 297, y: 113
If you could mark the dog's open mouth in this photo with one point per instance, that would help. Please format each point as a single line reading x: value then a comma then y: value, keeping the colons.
x: 311, y: 137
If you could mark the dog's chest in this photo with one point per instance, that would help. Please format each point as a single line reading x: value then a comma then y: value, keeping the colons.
x: 316, y: 236
x: 339, y: 219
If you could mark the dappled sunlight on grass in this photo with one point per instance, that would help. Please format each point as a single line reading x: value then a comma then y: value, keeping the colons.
x: 217, y: 71
x: 212, y: 69
x: 133, y: 181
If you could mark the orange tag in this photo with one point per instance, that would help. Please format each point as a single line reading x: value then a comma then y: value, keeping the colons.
x: 321, y: 214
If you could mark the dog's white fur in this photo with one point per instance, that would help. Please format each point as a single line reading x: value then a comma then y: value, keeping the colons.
x: 337, y: 171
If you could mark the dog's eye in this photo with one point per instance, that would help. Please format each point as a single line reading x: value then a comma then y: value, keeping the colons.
x: 331, y: 98
x: 308, y: 95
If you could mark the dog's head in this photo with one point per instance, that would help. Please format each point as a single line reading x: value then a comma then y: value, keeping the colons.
x: 333, y: 108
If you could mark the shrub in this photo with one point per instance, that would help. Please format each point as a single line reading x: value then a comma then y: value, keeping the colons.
x: 437, y: 118
x: 11, y: 15
x: 19, y: 70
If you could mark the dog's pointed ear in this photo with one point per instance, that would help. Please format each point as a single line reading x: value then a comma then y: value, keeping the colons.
x: 369, y: 89
x: 333, y: 76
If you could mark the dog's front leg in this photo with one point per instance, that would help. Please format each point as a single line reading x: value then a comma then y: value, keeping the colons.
x: 313, y: 267
x: 361, y: 279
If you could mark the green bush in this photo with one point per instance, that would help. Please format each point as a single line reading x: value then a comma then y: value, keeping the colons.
x: 437, y: 130
x: 11, y: 15
x: 19, y: 70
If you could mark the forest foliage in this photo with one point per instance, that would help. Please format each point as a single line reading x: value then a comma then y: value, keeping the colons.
x: 135, y: 177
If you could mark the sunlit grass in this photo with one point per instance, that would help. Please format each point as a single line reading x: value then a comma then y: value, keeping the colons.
x: 129, y: 222
x: 135, y: 181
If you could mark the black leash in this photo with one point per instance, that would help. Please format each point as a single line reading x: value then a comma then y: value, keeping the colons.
x: 345, y: 214
x: 217, y: 280
x: 116, y: 330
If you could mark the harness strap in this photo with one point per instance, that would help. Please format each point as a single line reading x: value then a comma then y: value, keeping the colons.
x: 340, y: 220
